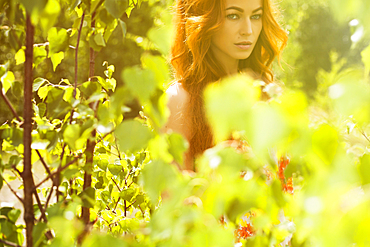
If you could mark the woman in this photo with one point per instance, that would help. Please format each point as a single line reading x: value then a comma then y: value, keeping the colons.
x: 214, y: 39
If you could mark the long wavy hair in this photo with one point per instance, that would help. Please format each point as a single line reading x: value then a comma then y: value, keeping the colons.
x: 195, y: 22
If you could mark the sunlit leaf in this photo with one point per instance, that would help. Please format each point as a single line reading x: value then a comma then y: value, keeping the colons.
x: 56, y: 59
x: 7, y: 80
x: 20, y: 57
x: 132, y: 136
x: 58, y: 40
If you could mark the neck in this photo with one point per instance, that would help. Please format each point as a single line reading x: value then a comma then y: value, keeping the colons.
x: 231, y: 69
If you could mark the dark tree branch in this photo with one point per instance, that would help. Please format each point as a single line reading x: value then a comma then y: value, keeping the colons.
x: 27, y: 138
x: 10, y: 105
x: 58, y: 171
x: 13, y: 191
x: 43, y: 162
x: 89, y: 152
x: 120, y: 190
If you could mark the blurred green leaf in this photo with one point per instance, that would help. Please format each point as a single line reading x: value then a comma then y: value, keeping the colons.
x: 98, y: 240
x: 141, y: 82
x: 365, y: 54
x: 228, y: 105
x: 88, y: 197
x: 132, y: 136
x: 325, y: 143
x: 116, y: 7
x: 364, y: 169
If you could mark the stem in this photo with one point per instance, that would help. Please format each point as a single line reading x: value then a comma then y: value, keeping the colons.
x: 89, y: 152
x: 60, y: 169
x: 10, y: 105
x: 9, y: 243
x: 76, y: 55
x: 43, y: 162
x: 13, y: 191
x: 27, y: 138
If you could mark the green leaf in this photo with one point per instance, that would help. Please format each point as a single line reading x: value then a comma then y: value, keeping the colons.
x: 229, y: 104
x: 161, y: 37
x: 71, y: 134
x: 365, y: 54
x: 58, y: 40
x: 14, y: 214
x: 56, y: 59
x: 88, y: 197
x: 116, y: 7
x: 39, y: 55
x: 7, y: 80
x: 37, y: 83
x: 99, y: 39
x: 102, y: 164
x: 160, y: 68
x: 115, y: 169
x: 141, y: 82
x: 89, y: 88
x: 49, y: 15
x: 31, y: 6
x: 364, y: 169
x: 98, y: 240
x: 20, y: 57
x: 38, y: 233
x: 325, y: 143
x: 43, y: 92
x: 107, y: 84
x: 132, y: 136
x: 123, y: 27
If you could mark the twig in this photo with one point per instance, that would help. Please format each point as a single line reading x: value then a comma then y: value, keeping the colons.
x: 120, y: 190
x: 115, y: 206
x: 76, y: 54
x: 10, y: 105
x: 9, y: 243
x: 60, y: 169
x: 43, y: 215
x: 43, y: 162
x: 49, y: 197
x: 364, y: 134
x: 13, y: 191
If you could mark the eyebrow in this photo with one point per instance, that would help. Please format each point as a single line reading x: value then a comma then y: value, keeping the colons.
x: 241, y: 10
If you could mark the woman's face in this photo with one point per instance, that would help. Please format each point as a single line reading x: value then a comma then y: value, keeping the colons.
x: 238, y: 34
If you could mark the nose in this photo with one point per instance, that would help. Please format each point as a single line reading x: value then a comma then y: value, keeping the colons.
x: 246, y: 27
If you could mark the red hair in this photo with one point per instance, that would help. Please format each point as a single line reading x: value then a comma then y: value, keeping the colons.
x: 195, y: 22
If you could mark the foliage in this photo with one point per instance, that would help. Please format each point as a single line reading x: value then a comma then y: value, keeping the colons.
x: 294, y: 172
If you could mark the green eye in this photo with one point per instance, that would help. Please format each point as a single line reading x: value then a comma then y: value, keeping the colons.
x: 256, y: 17
x: 232, y: 16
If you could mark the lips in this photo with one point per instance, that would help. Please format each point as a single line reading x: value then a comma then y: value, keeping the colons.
x: 244, y: 45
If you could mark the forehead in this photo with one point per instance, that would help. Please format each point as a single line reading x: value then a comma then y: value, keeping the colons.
x: 244, y: 4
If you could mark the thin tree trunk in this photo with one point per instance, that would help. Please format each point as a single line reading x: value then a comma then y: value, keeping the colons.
x: 27, y: 138
x: 89, y: 152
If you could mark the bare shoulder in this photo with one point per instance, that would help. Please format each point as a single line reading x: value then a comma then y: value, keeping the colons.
x: 177, y: 95
x: 178, y: 99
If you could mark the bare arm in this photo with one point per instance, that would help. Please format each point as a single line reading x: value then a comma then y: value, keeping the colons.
x: 178, y: 121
